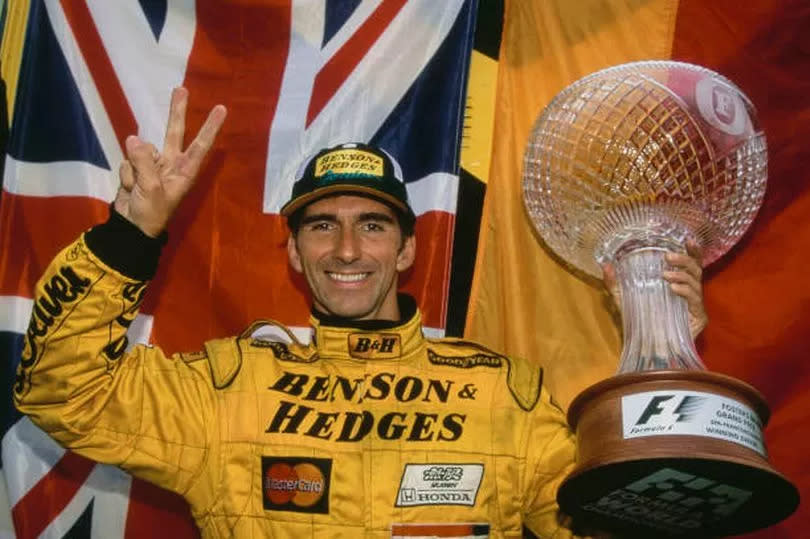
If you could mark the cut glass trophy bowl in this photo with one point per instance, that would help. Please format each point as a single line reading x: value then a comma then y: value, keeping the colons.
x: 634, y: 161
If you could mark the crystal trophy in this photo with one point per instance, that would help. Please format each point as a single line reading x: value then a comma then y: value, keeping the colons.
x: 623, y: 166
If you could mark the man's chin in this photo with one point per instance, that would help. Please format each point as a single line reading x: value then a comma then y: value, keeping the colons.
x: 350, y: 312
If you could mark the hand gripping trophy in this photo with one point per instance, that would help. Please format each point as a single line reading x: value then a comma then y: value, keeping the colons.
x: 621, y: 167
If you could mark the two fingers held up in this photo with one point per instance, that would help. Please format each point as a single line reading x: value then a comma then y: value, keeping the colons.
x: 153, y: 182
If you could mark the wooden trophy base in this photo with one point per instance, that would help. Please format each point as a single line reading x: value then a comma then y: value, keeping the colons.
x: 673, y: 453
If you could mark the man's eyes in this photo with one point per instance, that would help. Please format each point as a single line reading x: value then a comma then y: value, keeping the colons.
x: 321, y: 225
x: 372, y: 226
x: 367, y: 226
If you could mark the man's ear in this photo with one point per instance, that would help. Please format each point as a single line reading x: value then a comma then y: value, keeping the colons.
x: 292, y: 254
x: 407, y: 253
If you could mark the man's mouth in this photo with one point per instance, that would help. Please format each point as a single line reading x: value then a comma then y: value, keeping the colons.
x: 347, y: 277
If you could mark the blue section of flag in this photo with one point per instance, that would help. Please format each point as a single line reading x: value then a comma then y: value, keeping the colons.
x: 11, y: 345
x: 83, y: 527
x: 418, y: 132
x: 50, y: 120
x: 337, y: 11
x: 155, y: 12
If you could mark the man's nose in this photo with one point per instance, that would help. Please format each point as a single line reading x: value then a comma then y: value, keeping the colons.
x: 348, y: 247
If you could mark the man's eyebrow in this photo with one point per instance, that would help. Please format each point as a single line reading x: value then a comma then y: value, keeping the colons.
x: 375, y: 216
x: 307, y: 219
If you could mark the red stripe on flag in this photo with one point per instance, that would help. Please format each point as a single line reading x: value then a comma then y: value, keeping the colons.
x: 34, y: 229
x: 49, y: 497
x: 154, y: 512
x: 434, y: 246
x: 337, y: 69
x: 104, y: 76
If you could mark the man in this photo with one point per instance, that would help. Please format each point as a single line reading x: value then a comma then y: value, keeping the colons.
x: 369, y: 430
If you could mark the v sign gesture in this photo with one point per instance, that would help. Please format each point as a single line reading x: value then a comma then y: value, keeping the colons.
x: 154, y: 183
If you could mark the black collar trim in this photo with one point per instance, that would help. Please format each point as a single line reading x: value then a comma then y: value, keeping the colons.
x: 407, y: 309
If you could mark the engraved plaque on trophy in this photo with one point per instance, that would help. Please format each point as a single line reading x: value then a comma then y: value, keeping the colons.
x: 621, y: 167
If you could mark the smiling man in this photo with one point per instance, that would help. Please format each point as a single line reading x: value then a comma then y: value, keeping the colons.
x: 351, y: 231
x: 368, y: 430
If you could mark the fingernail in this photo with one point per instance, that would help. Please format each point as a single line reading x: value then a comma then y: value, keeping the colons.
x: 133, y: 141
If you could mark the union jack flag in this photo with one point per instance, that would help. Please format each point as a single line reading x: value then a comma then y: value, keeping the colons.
x: 296, y: 75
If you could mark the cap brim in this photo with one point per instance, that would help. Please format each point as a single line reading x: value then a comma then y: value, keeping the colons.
x: 321, y: 192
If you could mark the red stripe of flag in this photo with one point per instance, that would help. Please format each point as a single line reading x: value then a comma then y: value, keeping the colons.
x: 103, y: 73
x: 337, y: 69
x: 49, y: 497
x: 434, y: 246
x: 154, y: 512
x: 34, y: 229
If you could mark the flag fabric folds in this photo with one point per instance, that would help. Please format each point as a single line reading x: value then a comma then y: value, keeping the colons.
x: 296, y: 75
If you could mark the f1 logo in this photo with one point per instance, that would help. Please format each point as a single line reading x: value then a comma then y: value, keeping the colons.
x: 694, y: 492
x: 664, y: 409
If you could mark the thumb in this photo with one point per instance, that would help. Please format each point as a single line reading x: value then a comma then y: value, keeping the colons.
x: 127, y: 182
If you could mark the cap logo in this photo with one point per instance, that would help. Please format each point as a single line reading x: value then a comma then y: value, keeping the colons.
x: 345, y: 162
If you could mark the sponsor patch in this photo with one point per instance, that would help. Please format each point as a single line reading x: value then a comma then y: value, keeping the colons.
x: 60, y: 291
x: 695, y: 413
x: 439, y: 484
x: 457, y: 531
x: 191, y: 357
x: 299, y: 484
x: 345, y: 162
x: 465, y: 362
x: 280, y: 350
x: 375, y: 345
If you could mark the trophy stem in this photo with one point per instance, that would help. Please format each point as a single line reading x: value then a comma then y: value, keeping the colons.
x: 655, y: 319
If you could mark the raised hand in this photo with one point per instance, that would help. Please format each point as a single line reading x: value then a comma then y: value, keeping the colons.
x: 153, y: 183
x: 686, y: 280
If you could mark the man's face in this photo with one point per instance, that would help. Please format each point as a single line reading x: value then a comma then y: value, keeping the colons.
x: 350, y: 250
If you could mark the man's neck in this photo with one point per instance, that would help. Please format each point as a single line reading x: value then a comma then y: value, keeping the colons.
x: 407, y: 308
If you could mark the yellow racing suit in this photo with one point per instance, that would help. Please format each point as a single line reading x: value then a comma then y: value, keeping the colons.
x: 364, y: 432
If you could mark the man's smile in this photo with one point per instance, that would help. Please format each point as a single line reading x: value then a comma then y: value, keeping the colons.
x: 347, y: 277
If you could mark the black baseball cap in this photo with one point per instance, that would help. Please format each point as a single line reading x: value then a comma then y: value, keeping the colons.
x: 353, y: 168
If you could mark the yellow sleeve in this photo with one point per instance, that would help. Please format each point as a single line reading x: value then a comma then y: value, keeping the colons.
x: 550, y: 458
x: 150, y: 414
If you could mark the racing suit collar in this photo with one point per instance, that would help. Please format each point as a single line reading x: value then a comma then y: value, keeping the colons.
x: 337, y: 337
x: 407, y: 308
